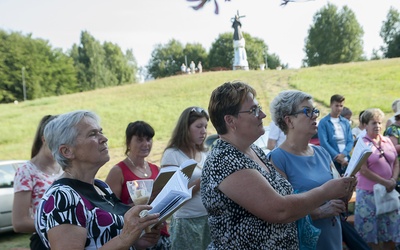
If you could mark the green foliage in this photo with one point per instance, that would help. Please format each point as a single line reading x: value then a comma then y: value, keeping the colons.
x: 46, y: 71
x: 221, y: 52
x: 390, y: 33
x: 334, y: 37
x: 166, y: 59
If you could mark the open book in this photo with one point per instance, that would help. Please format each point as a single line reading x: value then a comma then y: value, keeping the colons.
x: 360, y: 154
x: 187, y: 167
x: 174, y: 194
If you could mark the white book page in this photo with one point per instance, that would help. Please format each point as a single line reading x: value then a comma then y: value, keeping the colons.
x: 359, y: 151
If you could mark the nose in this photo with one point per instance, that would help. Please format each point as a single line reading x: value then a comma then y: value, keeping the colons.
x: 261, y: 114
x: 103, y: 139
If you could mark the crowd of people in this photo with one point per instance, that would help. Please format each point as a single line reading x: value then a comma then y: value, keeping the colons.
x: 296, y: 197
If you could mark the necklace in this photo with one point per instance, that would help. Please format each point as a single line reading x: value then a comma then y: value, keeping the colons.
x: 145, y: 167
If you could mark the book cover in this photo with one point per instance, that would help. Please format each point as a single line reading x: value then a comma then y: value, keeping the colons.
x: 360, y: 155
x: 187, y: 167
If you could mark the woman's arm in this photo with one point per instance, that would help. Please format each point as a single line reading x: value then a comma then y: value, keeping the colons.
x: 68, y: 236
x: 251, y: 190
x: 21, y: 218
x: 115, y: 180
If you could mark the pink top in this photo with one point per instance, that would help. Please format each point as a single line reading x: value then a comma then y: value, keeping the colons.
x: 380, y: 164
x: 29, y: 178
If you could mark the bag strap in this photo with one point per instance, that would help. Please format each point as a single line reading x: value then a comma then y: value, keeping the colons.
x: 109, y: 202
x: 379, y: 148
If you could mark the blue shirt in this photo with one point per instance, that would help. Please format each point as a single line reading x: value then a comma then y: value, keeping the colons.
x: 326, y: 135
x: 306, y: 173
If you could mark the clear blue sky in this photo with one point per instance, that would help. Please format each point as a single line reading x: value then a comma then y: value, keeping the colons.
x: 141, y: 24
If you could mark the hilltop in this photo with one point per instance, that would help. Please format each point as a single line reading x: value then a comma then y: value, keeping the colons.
x: 160, y: 102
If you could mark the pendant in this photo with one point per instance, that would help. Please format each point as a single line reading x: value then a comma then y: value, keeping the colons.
x: 145, y: 175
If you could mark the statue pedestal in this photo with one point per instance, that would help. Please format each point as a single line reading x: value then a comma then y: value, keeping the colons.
x: 240, y: 60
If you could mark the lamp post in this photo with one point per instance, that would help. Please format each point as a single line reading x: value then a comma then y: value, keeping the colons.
x: 23, y: 83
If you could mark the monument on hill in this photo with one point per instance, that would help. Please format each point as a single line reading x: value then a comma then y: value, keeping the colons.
x: 240, y: 60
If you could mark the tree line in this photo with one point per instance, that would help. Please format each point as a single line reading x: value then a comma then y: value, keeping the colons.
x: 335, y: 36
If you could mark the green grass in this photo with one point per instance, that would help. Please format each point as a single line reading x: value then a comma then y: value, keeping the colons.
x: 160, y: 102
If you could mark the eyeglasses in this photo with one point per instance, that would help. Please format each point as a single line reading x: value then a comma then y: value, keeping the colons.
x: 255, y: 111
x: 308, y: 112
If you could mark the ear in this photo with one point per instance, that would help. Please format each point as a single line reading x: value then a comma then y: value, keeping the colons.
x: 230, y: 121
x: 288, y: 121
x: 66, y: 151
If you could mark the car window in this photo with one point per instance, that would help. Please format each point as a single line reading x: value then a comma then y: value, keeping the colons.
x: 7, y: 173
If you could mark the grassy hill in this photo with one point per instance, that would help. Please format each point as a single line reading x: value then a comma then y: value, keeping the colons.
x: 160, y: 102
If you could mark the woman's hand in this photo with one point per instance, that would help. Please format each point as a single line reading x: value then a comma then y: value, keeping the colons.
x: 329, y: 209
x: 339, y: 188
x: 148, y: 239
x: 390, y: 184
x: 134, y: 225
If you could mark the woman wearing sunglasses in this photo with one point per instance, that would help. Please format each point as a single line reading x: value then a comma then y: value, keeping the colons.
x: 250, y: 205
x: 189, y: 228
x: 307, y: 166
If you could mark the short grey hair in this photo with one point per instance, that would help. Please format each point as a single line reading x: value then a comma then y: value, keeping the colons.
x: 62, y: 131
x: 284, y: 104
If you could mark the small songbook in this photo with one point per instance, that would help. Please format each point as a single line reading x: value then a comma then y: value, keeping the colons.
x: 360, y: 155
x: 175, y: 192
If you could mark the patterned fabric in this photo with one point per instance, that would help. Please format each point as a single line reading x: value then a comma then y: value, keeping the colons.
x: 61, y: 204
x: 375, y: 228
x: 195, y: 229
x: 232, y: 226
x: 393, y: 130
x: 29, y: 178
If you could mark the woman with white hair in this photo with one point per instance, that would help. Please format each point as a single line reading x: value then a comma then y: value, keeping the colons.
x: 77, y: 211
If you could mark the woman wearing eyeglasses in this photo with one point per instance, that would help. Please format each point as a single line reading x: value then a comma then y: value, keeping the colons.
x: 307, y: 166
x: 381, y: 167
x: 250, y: 205
x: 189, y: 228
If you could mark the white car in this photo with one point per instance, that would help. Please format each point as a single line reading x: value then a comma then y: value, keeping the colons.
x: 7, y: 173
x: 262, y: 141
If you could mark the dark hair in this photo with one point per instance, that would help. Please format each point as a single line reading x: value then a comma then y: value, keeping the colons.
x: 227, y: 99
x: 346, y: 111
x: 337, y: 98
x: 360, y: 115
x: 140, y: 129
x: 37, y: 140
x: 180, y: 136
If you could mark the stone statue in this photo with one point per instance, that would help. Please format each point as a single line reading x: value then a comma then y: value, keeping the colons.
x: 240, y: 61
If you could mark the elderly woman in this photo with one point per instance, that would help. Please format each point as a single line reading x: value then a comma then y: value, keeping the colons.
x: 250, y: 205
x: 307, y: 166
x: 381, y: 167
x: 77, y: 211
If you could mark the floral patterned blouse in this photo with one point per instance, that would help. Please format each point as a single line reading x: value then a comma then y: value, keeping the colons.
x: 232, y: 226
x: 62, y: 204
x: 29, y: 178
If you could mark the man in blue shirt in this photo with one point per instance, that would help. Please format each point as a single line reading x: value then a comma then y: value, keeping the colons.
x: 334, y: 133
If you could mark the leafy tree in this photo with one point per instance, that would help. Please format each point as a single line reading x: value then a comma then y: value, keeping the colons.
x: 166, y: 60
x: 46, y: 71
x: 118, y: 64
x: 221, y: 53
x: 334, y: 37
x: 390, y: 33
x: 196, y: 52
x: 273, y: 61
